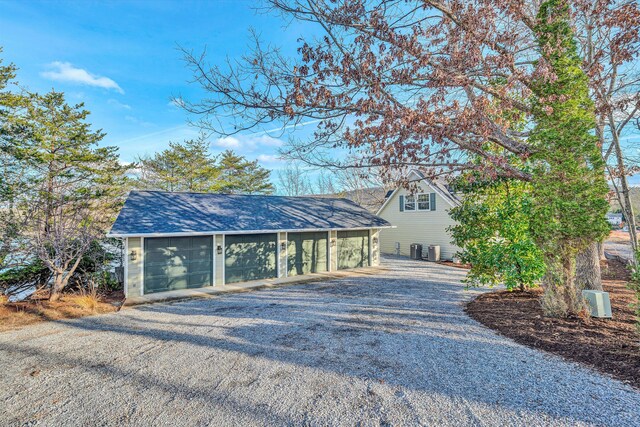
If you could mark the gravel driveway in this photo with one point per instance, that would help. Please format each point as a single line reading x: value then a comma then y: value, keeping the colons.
x: 393, y: 348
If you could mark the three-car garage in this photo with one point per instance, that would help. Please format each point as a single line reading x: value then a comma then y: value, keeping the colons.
x: 176, y: 241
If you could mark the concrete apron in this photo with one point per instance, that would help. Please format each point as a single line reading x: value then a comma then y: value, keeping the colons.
x: 211, y: 291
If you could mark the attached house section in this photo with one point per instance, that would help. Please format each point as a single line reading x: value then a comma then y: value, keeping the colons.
x: 177, y: 241
x: 419, y: 215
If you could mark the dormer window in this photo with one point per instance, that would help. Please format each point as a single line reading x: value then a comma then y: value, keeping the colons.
x: 418, y: 202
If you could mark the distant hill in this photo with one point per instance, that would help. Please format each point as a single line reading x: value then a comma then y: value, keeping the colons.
x: 369, y: 198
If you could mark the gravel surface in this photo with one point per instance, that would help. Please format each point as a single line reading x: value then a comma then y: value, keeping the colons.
x: 393, y: 348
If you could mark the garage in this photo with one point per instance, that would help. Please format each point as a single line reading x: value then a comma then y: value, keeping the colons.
x: 184, y: 240
x: 172, y: 263
x: 306, y: 253
x: 353, y: 249
x: 250, y: 257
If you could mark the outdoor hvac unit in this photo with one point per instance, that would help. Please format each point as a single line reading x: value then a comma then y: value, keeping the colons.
x: 434, y: 253
x: 599, y: 303
x: 416, y: 251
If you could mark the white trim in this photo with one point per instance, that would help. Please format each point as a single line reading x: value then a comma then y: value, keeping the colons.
x: 224, y: 261
x: 208, y: 233
x: 278, y: 260
x: 286, y: 254
x: 370, y: 251
x: 329, y: 251
x: 213, y: 266
x: 141, y: 266
x: 125, y: 273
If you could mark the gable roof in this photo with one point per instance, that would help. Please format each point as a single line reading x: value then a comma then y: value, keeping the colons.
x: 439, y: 185
x: 166, y: 213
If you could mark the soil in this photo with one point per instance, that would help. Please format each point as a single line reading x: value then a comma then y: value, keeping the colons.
x: 611, y: 346
x: 38, y: 309
x: 455, y: 264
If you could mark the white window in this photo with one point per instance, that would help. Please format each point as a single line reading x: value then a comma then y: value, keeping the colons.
x: 423, y: 202
x: 410, y: 203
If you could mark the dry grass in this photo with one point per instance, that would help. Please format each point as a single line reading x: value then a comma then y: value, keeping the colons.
x: 86, y: 301
x: 19, y: 314
x: 3, y: 299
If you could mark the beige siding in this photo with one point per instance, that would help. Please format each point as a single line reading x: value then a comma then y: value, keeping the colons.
x: 424, y: 227
x: 134, y: 268
x: 282, y: 260
x: 218, y: 268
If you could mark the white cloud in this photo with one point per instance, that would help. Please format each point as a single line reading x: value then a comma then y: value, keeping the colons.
x: 247, y: 143
x: 269, y: 158
x: 66, y: 72
x: 118, y: 104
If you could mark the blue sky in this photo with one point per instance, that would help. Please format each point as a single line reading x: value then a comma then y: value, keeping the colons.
x: 121, y: 60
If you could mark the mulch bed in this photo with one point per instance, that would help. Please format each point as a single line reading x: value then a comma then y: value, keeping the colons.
x: 611, y: 346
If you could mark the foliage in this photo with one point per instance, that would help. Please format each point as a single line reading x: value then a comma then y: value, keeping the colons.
x: 190, y: 166
x: 410, y: 84
x: 240, y: 175
x: 71, y: 188
x: 11, y: 218
x: 493, y: 231
x: 568, y: 185
x: 16, y: 279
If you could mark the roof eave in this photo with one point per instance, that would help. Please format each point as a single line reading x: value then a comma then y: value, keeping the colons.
x: 210, y: 233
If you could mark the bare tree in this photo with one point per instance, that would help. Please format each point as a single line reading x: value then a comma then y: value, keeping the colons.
x: 293, y: 180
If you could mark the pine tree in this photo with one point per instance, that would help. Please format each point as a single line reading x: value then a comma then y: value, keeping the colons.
x: 240, y: 175
x: 73, y: 188
x: 568, y: 184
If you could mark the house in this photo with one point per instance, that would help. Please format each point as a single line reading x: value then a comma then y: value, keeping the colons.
x: 615, y: 219
x: 192, y: 240
x: 419, y: 217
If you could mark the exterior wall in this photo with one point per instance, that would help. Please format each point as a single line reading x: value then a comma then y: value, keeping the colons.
x: 424, y: 227
x: 282, y: 254
x: 333, y: 251
x: 374, y: 244
x: 218, y: 267
x: 133, y: 281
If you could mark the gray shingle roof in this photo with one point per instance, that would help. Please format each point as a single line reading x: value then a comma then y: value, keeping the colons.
x: 160, y: 212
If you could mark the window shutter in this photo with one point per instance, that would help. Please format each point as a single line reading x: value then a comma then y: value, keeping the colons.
x: 432, y: 201
x: 401, y: 203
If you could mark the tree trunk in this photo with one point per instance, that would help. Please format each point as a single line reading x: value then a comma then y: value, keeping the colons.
x: 601, y: 251
x: 60, y: 280
x: 588, y: 269
x: 624, y: 198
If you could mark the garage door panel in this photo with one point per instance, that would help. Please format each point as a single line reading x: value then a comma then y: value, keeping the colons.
x: 353, y: 249
x: 177, y: 263
x: 250, y: 257
x: 306, y: 253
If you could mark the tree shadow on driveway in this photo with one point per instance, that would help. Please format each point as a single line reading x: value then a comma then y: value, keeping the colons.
x: 399, y: 341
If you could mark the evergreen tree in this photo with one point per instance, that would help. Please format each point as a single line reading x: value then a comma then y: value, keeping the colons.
x: 240, y: 175
x: 73, y: 187
x: 187, y: 166
x: 568, y: 185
